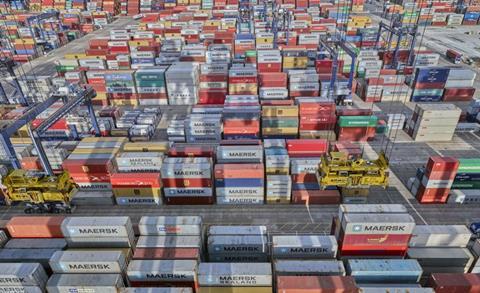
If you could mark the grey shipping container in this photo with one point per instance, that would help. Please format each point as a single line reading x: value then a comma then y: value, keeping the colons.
x: 441, y: 257
x: 170, y: 225
x: 162, y: 270
x: 41, y: 256
x: 237, y: 244
x: 440, y: 236
x: 237, y: 230
x: 97, y: 227
x: 235, y: 274
x: 97, y: 283
x: 304, y: 246
x: 21, y: 289
x: 169, y: 242
x: 105, y: 262
x: 35, y: 243
x: 384, y: 270
x: 309, y: 268
x: 22, y: 274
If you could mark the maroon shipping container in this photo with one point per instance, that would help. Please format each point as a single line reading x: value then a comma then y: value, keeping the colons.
x: 167, y: 253
x: 316, y: 284
x: 241, y: 142
x: 190, y: 200
x: 458, y: 94
x: 88, y: 166
x: 354, y: 112
x: 316, y: 197
x: 455, y: 283
x: 191, y: 151
x: 307, y: 147
x: 355, y: 133
x: 441, y: 164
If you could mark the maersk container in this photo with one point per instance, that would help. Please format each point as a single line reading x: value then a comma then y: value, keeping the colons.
x: 186, y: 160
x: 299, y: 166
x: 97, y: 227
x: 384, y: 270
x: 36, y: 243
x: 170, y: 225
x: 304, y: 246
x: 156, y: 290
x: 22, y: 289
x: 309, y: 268
x: 186, y: 170
x: 238, y: 258
x: 237, y: 230
x: 199, y: 192
x: 68, y: 283
x: 22, y: 274
x: 384, y: 288
x: 89, y: 262
x: 245, y: 244
x: 235, y: 274
x: 440, y: 236
x: 139, y: 161
x: 169, y: 242
x: 239, y: 191
x: 378, y: 224
x: 442, y: 257
x: 239, y: 154
x: 162, y: 271
x: 41, y: 256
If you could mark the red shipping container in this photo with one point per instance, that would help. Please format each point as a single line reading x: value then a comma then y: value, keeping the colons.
x: 316, y: 284
x: 269, y: 67
x: 374, y: 241
x: 455, y: 283
x: 167, y: 253
x: 354, y: 112
x: 135, y: 180
x: 272, y: 79
x: 307, y: 147
x: 316, y: 196
x: 88, y: 165
x: 445, y: 175
x: 355, y: 133
x: 232, y: 123
x: 90, y: 177
x: 223, y: 171
x: 441, y: 164
x: 35, y: 227
x: 317, y: 108
x: 212, y: 96
x: 429, y: 85
x: 184, y: 182
x: 31, y: 163
x: 398, y: 252
x: 190, y: 200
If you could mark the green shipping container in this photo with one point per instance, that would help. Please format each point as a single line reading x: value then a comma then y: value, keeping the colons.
x: 280, y: 122
x: 120, y: 83
x: 357, y: 121
x: 151, y: 83
x: 469, y: 165
x: 65, y: 68
x: 250, y: 53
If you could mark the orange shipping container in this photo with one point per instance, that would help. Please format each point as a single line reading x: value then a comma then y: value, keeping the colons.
x: 35, y: 227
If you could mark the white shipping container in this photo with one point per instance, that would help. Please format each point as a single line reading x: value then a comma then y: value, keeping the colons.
x: 237, y: 230
x: 22, y: 274
x: 304, y: 246
x: 68, y: 283
x: 309, y: 268
x: 95, y: 227
x: 139, y: 161
x: 235, y: 274
x: 170, y: 225
x: 162, y: 270
x: 170, y: 241
x: 440, y: 236
x: 90, y: 262
x: 378, y: 224
x: 240, y: 244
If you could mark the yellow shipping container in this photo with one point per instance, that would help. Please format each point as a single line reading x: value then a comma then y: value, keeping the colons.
x: 182, y: 2
x: 100, y: 139
x: 24, y: 42
x: 95, y: 151
x: 137, y: 192
x: 322, y: 134
x: 75, y: 56
x: 362, y: 191
x: 146, y: 147
x: 280, y: 111
x: 138, y: 43
x: 295, y: 62
x: 277, y: 171
x: 129, y: 102
x: 235, y: 290
x: 213, y: 23
x: 20, y: 140
x: 267, y: 40
x: 240, y: 87
x: 280, y: 130
x: 173, y: 35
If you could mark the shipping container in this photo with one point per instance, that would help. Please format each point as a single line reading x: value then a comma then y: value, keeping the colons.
x: 65, y: 283
x: 235, y: 274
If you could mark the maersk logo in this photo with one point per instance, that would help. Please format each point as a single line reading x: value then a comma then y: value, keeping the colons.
x: 357, y: 228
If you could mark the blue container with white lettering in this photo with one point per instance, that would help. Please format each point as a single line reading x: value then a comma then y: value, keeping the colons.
x: 239, y: 182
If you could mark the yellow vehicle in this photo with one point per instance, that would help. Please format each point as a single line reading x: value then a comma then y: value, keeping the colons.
x: 39, y: 193
x: 338, y: 170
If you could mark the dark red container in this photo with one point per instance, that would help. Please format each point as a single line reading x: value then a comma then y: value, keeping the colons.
x: 307, y: 147
x: 88, y: 166
x: 455, y: 283
x: 191, y: 151
x: 190, y: 200
x: 441, y: 164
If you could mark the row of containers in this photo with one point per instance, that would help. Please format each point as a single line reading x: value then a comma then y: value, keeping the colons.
x: 447, y: 179
x: 280, y: 171
x: 362, y: 254
x: 41, y: 5
x: 25, y: 38
x: 434, y: 13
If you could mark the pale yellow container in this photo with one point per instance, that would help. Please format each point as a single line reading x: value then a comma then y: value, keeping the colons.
x: 146, y: 147
x: 280, y: 111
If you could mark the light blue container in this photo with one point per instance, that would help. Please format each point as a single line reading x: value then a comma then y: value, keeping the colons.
x: 384, y: 270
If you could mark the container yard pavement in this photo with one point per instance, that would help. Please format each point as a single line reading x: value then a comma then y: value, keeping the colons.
x: 405, y: 158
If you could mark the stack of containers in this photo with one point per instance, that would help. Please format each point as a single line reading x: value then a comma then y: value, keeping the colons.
x: 277, y: 169
x: 373, y: 230
x: 203, y: 128
x: 232, y: 277
x: 241, y: 117
x: 139, y: 188
x: 169, y: 238
x: 239, y: 244
x: 33, y: 240
x: 120, y: 87
x: 317, y: 118
x: 273, y: 85
x: 213, y: 83
x: 239, y: 174
x: 432, y: 185
x: 459, y: 85
x: 91, y: 163
x: 242, y: 81
x: 176, y: 130
x: 182, y: 83
x: 303, y: 83
x: 467, y: 177
x: 279, y: 121
x: 187, y: 180
x: 394, y: 87
x: 151, y: 86
x: 433, y: 122
x: 356, y: 128
x: 428, y: 84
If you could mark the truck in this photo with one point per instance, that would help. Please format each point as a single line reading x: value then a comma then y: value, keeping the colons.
x: 454, y: 56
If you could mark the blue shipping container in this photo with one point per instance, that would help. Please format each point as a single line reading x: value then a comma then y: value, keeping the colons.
x: 239, y: 182
x: 426, y: 99
x: 432, y: 74
x: 384, y: 270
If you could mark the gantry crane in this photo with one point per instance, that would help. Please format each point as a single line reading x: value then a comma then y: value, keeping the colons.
x: 336, y: 169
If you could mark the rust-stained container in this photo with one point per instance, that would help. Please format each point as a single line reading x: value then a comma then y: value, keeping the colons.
x: 455, y: 283
x: 35, y: 227
x: 316, y: 284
